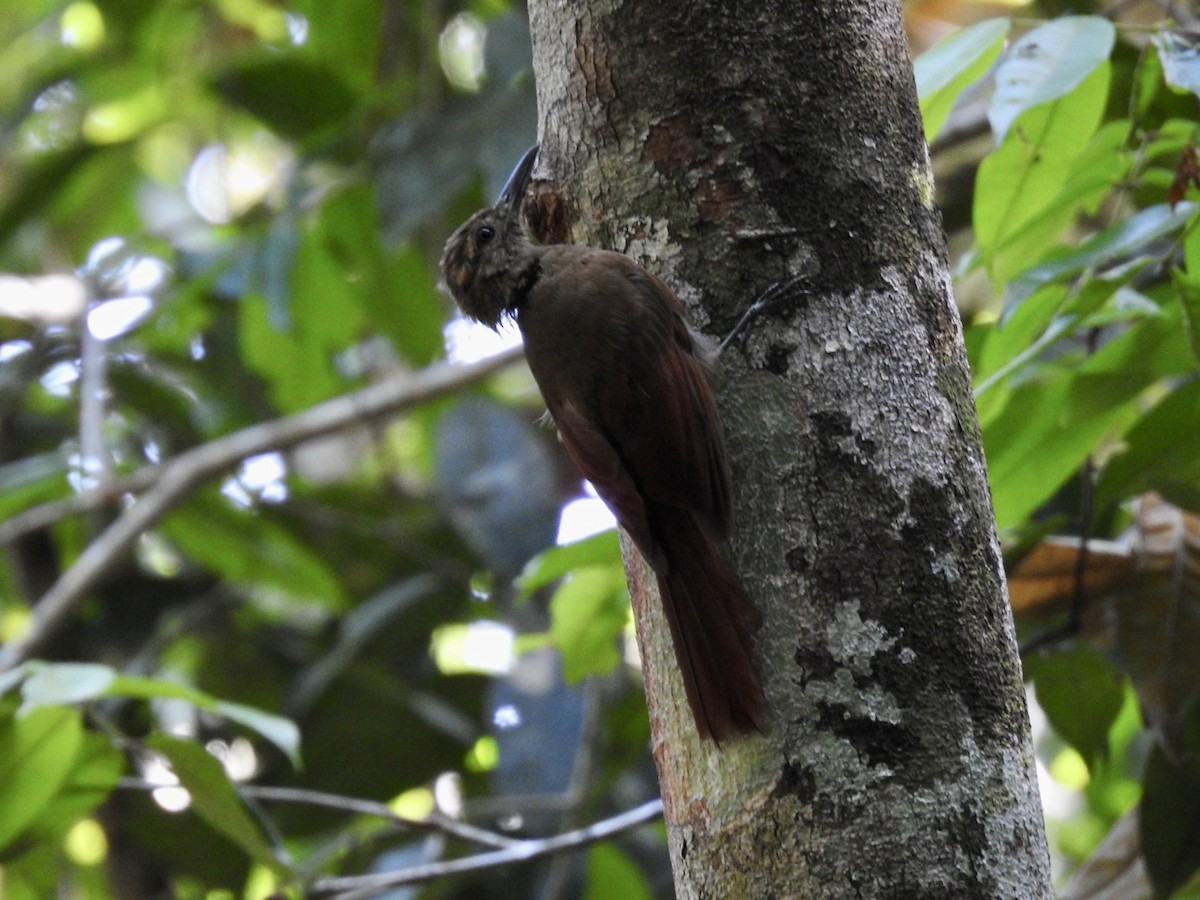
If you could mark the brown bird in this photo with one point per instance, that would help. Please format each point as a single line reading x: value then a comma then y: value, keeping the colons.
x: 622, y: 376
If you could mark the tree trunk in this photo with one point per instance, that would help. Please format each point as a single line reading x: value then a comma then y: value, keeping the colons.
x: 728, y: 146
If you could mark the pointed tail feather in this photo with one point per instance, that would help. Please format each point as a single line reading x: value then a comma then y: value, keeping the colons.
x: 710, y: 617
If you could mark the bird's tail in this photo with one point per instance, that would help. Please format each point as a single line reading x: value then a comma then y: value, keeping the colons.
x: 710, y: 617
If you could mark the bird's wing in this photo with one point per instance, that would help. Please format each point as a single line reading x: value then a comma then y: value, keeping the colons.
x: 670, y: 433
x: 617, y: 366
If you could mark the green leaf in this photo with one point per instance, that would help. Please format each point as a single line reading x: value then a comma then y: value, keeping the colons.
x: 37, y: 752
x: 1180, y: 61
x: 947, y: 68
x: 13, y: 677
x: 1147, y: 80
x: 1081, y: 693
x: 1170, y: 821
x: 214, y: 798
x: 294, y: 97
x: 1121, y: 241
x: 61, y: 684
x: 297, y: 367
x: 40, y: 184
x: 1009, y: 344
x: 1046, y: 64
x: 611, y: 873
x: 249, y: 547
x: 396, y: 291
x: 24, y: 486
x: 338, y: 260
x: 1019, y: 184
x: 280, y: 731
x: 599, y: 549
x: 33, y: 874
x: 413, y: 315
x: 96, y: 770
x: 1158, y: 455
x: 58, y: 684
x: 1191, y: 242
x: 1046, y: 431
x: 1049, y: 425
x: 345, y: 36
x: 587, y: 616
x: 1187, y: 284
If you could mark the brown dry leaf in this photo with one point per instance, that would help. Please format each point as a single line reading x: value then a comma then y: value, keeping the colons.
x: 1140, y: 603
x: 1045, y: 581
x: 1157, y: 622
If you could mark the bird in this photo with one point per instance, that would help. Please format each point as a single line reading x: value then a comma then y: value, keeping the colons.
x: 625, y: 380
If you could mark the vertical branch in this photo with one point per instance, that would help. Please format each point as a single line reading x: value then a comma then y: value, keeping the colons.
x: 95, y: 462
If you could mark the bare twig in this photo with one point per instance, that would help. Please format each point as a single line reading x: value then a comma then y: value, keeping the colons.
x: 186, y: 472
x: 433, y: 822
x: 361, y: 886
x: 45, y: 514
x: 558, y: 874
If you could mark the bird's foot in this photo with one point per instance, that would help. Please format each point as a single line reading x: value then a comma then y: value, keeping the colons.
x: 773, y: 296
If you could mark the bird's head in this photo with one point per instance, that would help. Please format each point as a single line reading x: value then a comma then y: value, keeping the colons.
x: 487, y: 261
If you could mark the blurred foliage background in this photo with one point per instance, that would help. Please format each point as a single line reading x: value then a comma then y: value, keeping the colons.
x: 215, y: 214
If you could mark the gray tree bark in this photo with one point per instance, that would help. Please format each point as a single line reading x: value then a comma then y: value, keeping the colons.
x: 728, y: 146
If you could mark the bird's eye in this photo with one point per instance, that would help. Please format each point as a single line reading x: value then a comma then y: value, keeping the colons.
x: 484, y: 233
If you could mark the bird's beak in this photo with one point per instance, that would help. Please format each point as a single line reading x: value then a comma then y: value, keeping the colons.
x: 518, y: 182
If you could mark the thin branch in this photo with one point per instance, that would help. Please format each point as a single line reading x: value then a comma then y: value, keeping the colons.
x: 356, y: 887
x: 46, y: 514
x: 433, y: 822
x: 189, y: 470
x: 558, y: 875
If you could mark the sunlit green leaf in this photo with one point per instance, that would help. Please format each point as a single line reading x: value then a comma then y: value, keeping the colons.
x: 599, y: 549
x: 610, y: 873
x: 1180, y: 61
x: 37, y: 753
x: 1046, y: 431
x: 1120, y: 241
x: 1046, y: 64
x: 951, y: 65
x: 214, y: 797
x: 64, y: 683
x: 97, y: 767
x: 1021, y: 180
x: 587, y: 616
